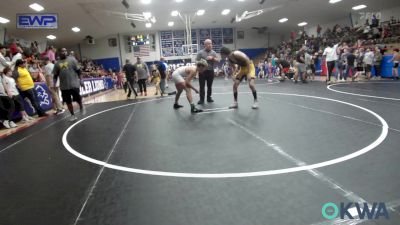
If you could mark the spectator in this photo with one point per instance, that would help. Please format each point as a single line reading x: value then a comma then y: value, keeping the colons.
x: 72, y: 56
x: 378, y: 61
x: 301, y: 66
x: 309, y: 60
x: 284, y: 66
x: 131, y: 76
x: 350, y: 60
x: 330, y: 57
x: 3, y: 62
x: 260, y: 70
x: 50, y: 53
x: 162, y: 69
x: 16, y: 56
x: 368, y: 62
x: 69, y: 74
x: 34, y: 49
x: 395, y: 59
x: 26, y: 85
x: 156, y: 78
x: 12, y: 92
x: 53, y: 87
x: 6, y: 108
x: 143, y: 75
x: 35, y: 71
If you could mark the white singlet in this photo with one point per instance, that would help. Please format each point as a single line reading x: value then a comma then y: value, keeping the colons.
x: 179, y: 75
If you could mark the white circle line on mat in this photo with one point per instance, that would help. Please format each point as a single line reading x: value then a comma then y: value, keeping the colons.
x: 353, y: 155
x: 368, y: 96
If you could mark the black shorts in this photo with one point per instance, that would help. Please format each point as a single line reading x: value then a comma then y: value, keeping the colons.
x: 75, y: 93
x: 19, y: 105
x: 396, y: 65
x: 360, y: 69
x: 368, y: 68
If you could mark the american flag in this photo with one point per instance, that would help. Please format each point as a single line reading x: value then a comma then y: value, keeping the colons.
x: 141, y: 50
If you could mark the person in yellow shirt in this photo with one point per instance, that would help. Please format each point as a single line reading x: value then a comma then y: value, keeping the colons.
x: 26, y: 85
x: 156, y: 78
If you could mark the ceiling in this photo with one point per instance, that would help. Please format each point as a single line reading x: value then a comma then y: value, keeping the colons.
x: 94, y: 17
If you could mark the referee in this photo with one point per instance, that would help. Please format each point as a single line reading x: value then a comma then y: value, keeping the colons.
x: 208, y: 75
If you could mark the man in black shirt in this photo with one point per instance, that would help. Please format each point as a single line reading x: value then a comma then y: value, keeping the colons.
x: 131, y: 76
x: 301, y: 66
x: 284, y: 68
x: 351, y: 58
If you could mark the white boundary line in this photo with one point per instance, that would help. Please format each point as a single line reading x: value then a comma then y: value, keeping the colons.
x: 102, y: 168
x: 360, y: 152
x: 215, y: 111
x: 246, y: 84
x: 368, y: 96
x: 63, y: 117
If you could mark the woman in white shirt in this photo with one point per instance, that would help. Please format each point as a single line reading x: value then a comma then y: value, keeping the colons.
x: 12, y: 93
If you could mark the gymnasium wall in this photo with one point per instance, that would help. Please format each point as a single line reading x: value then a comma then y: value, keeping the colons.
x: 102, y: 50
x: 252, y: 39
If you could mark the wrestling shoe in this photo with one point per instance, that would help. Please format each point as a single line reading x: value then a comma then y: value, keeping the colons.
x: 234, y: 106
x: 195, y: 110
x: 176, y: 106
x: 73, y: 118
x: 255, y: 105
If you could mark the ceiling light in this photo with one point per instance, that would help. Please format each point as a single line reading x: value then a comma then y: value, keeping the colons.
x: 51, y: 37
x: 174, y: 13
x: 283, y: 20
x: 225, y: 11
x: 148, y: 25
x: 147, y: 15
x: 178, y: 0
x: 4, y: 20
x: 302, y: 24
x: 201, y: 12
x: 358, y: 7
x: 36, y: 7
x: 76, y: 29
x: 170, y: 24
x: 211, y: 0
x: 334, y: 1
x: 240, y: 0
x: 153, y: 19
x: 146, y: 2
